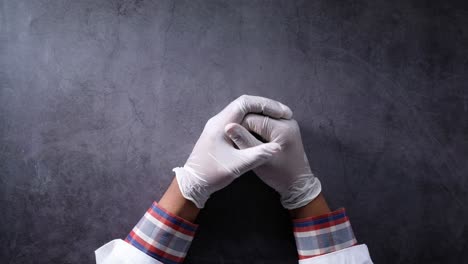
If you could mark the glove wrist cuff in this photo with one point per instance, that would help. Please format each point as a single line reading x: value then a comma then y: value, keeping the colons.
x: 301, y: 192
x: 191, y: 188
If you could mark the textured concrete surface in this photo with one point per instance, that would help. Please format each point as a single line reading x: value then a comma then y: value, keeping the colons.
x: 99, y: 100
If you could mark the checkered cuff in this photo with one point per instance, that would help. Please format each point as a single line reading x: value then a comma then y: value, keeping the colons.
x: 323, y: 234
x: 162, y: 235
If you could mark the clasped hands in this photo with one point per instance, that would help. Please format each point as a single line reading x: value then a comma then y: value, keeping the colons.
x: 280, y: 162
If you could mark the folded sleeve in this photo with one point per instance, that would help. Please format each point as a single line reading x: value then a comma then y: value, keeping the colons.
x: 159, y: 237
x: 327, y: 236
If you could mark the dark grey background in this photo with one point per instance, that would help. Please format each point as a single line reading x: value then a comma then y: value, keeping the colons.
x: 99, y: 100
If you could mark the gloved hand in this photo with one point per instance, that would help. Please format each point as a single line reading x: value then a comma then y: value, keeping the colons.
x: 288, y: 172
x: 214, y: 161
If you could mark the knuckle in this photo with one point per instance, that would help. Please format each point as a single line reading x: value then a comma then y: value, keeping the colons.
x: 210, y: 122
x: 292, y: 127
x: 245, y: 98
x: 242, y: 97
x: 294, y: 124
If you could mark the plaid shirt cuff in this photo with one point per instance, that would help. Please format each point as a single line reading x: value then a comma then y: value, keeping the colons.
x: 162, y: 235
x: 323, y: 234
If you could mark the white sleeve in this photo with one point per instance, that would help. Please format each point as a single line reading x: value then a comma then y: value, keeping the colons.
x: 118, y: 251
x: 351, y: 255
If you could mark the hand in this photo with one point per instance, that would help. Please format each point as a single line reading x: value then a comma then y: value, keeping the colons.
x: 214, y: 162
x: 288, y: 172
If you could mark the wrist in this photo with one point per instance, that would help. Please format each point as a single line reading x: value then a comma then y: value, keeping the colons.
x: 316, y: 207
x: 174, y: 202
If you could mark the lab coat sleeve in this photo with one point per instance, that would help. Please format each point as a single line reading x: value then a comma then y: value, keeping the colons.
x: 328, y: 238
x: 352, y: 255
x: 159, y: 237
x: 118, y: 251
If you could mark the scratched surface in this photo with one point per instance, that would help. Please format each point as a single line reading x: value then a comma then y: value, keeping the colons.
x: 99, y: 100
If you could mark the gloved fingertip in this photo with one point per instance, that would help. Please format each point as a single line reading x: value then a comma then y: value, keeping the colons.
x: 287, y: 112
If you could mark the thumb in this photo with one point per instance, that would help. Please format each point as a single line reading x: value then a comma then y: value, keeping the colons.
x: 253, y: 152
x: 255, y: 156
x: 241, y: 136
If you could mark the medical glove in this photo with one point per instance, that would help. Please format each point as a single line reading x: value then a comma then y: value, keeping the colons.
x: 214, y: 161
x: 288, y: 172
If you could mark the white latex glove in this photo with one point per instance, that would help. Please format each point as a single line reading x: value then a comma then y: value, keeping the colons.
x: 288, y: 172
x: 214, y: 161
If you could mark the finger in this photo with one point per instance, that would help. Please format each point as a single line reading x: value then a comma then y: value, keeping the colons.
x: 241, y: 136
x: 253, y: 157
x: 237, y: 109
x: 262, y: 125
